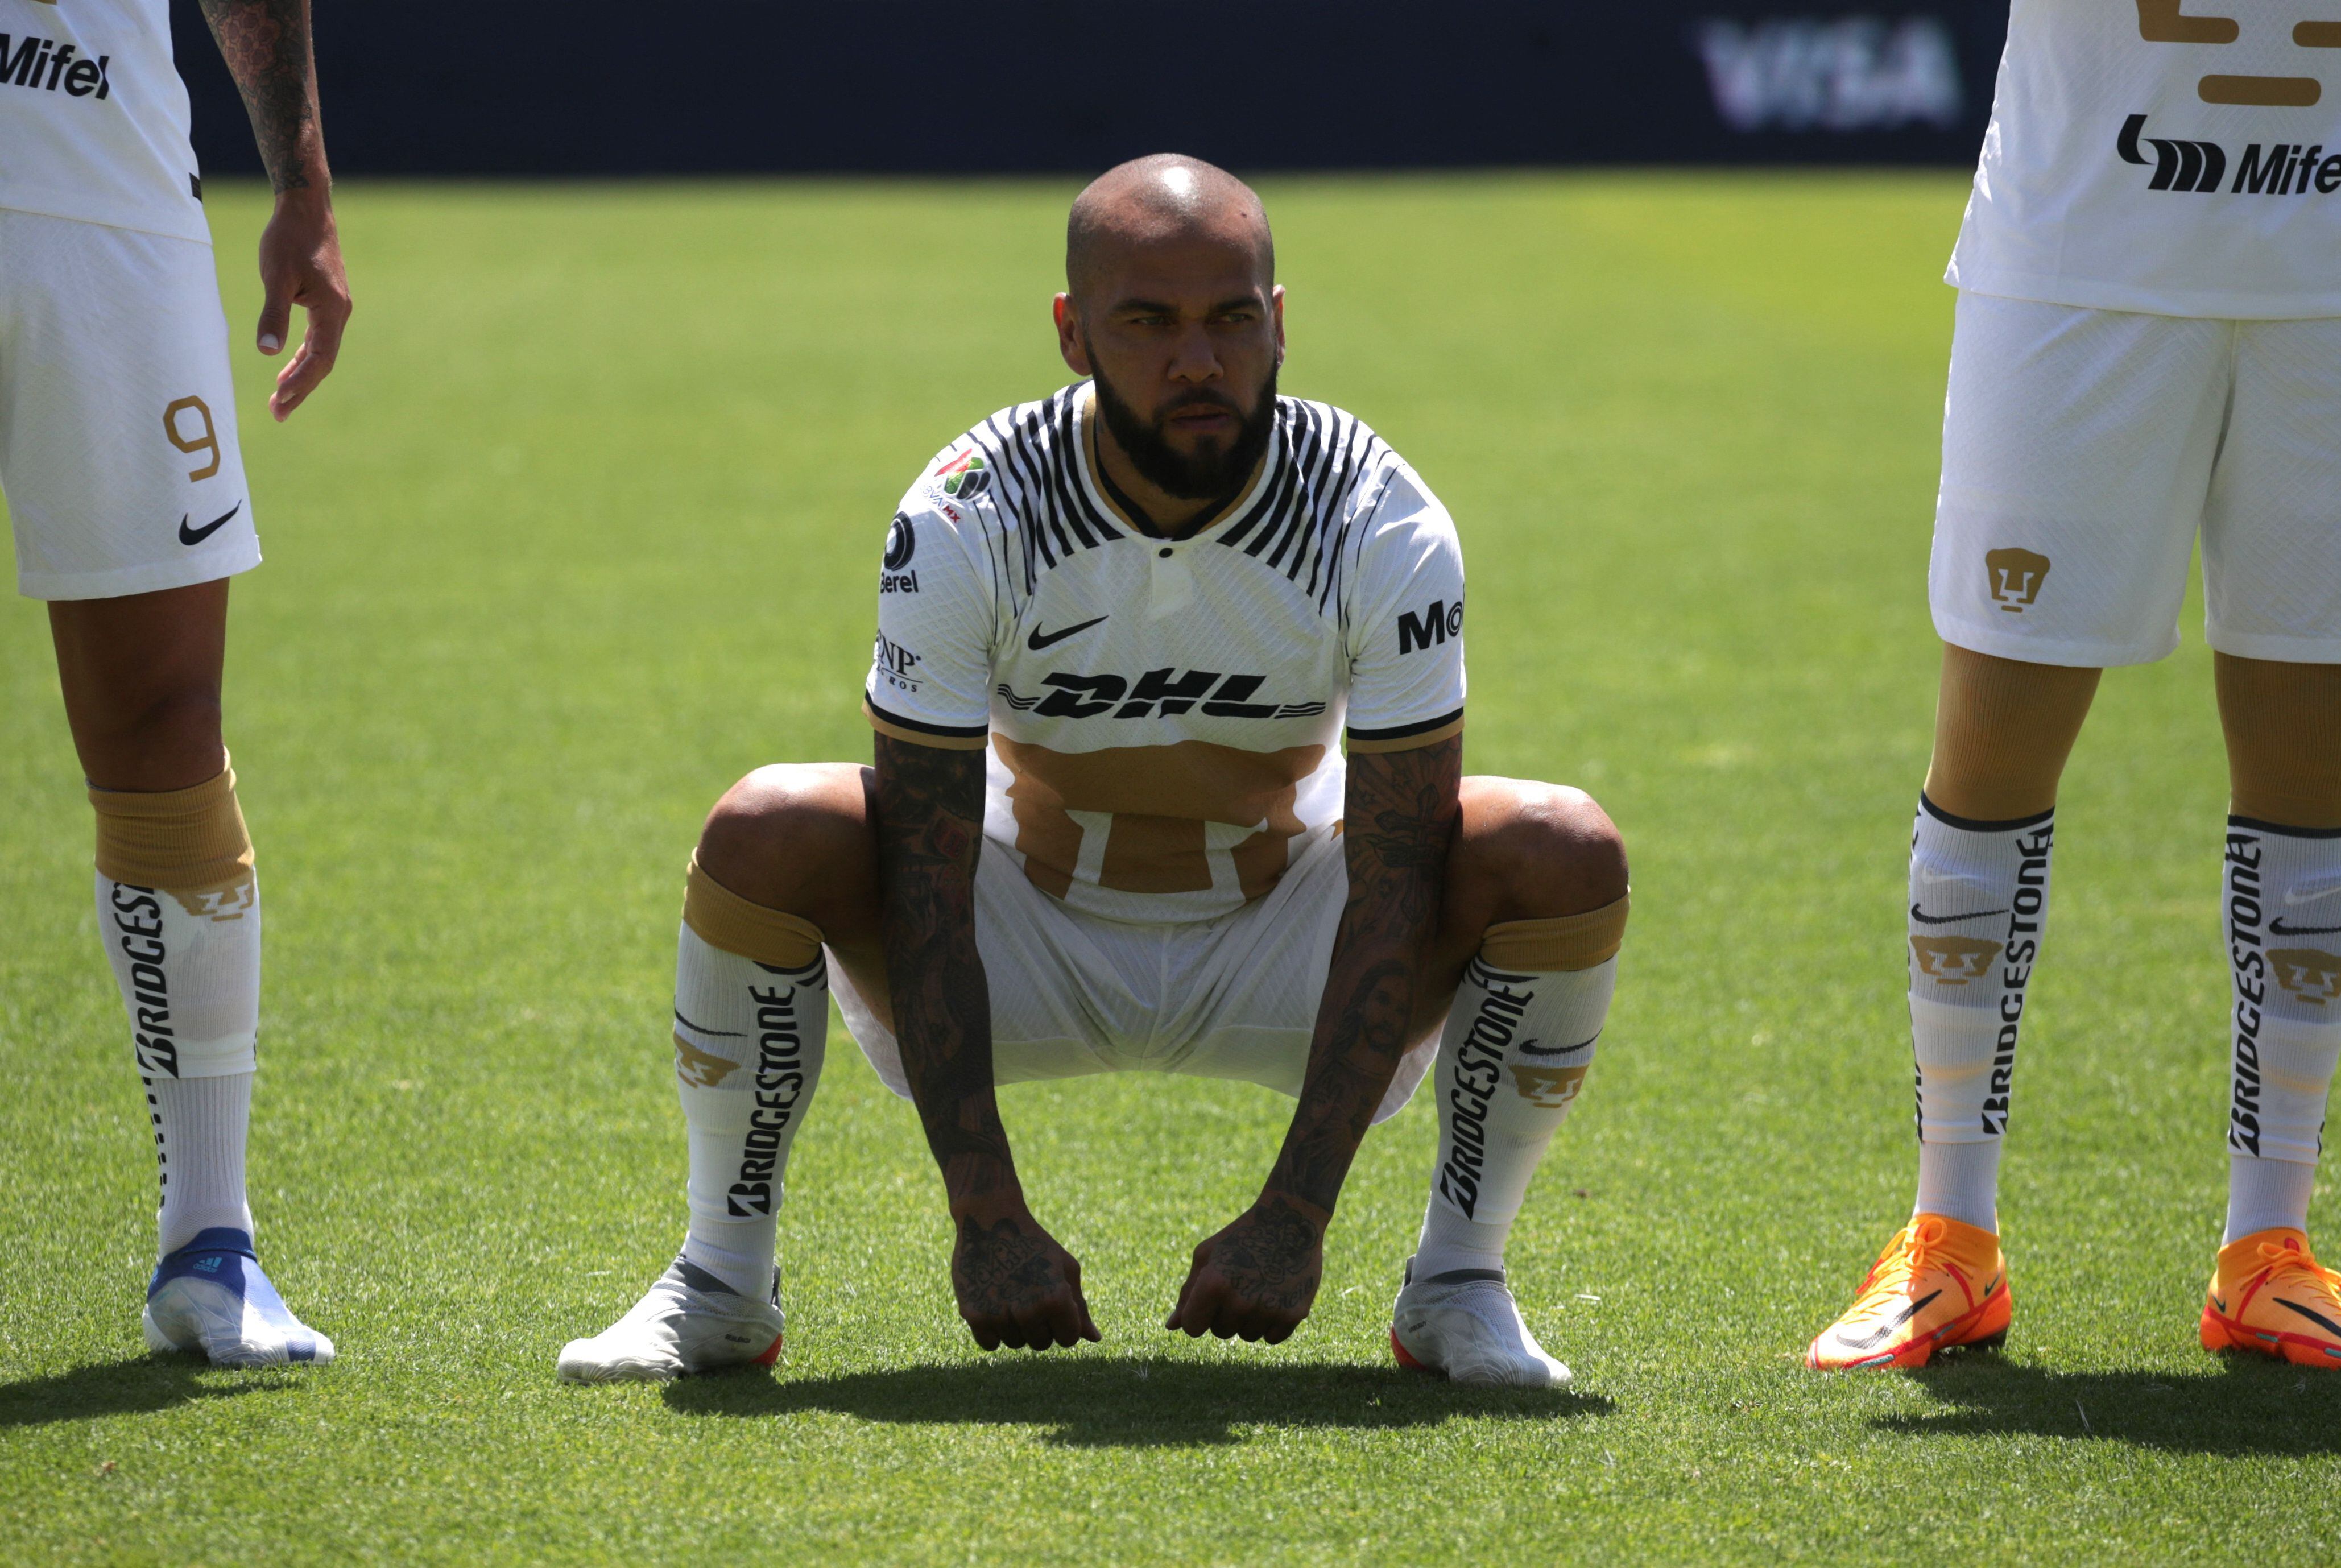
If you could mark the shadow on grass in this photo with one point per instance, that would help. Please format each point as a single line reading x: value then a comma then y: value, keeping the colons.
x: 1130, y: 1403
x: 132, y: 1387
x: 2236, y: 1406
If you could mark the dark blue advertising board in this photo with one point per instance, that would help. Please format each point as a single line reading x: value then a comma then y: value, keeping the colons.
x: 916, y: 86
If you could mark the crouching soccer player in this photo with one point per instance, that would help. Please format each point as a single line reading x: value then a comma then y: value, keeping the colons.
x: 2148, y: 346
x: 1122, y: 631
x: 127, y: 496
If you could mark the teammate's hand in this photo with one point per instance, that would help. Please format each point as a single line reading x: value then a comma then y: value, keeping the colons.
x: 1016, y: 1285
x: 1258, y: 1278
x: 300, y: 263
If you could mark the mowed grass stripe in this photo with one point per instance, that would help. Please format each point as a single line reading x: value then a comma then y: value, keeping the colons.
x: 584, y: 527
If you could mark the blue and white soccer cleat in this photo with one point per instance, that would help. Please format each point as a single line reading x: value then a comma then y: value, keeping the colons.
x: 1465, y: 1326
x: 210, y: 1298
x: 689, y: 1320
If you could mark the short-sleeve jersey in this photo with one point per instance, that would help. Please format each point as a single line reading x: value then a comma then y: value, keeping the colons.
x: 1164, y: 718
x: 2176, y: 157
x: 93, y: 116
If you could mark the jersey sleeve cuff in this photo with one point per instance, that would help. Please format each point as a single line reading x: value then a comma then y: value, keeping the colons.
x: 1406, y: 737
x: 949, y: 737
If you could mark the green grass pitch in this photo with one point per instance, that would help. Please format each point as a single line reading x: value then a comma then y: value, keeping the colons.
x: 585, y: 526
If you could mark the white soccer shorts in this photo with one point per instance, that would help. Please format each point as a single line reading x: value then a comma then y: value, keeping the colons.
x: 2084, y: 451
x: 1075, y: 993
x: 117, y: 415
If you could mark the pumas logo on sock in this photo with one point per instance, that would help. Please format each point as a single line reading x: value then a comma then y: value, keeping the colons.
x: 230, y: 901
x: 1954, y: 960
x: 2015, y: 577
x: 2303, y: 972
x: 700, y: 1069
x: 1549, y: 1088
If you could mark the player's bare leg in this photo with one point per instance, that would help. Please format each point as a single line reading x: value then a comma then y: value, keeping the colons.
x: 784, y: 866
x: 178, y: 909
x: 2282, y: 916
x: 1979, y: 860
x: 1519, y: 977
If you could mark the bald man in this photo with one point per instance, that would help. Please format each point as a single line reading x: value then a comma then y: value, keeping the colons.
x: 1124, y: 634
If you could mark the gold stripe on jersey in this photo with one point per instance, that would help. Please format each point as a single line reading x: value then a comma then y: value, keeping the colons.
x: 1160, y: 800
x: 1566, y: 941
x: 896, y: 729
x: 1365, y: 745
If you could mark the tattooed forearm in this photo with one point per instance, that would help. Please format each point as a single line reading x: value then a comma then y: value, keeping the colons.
x: 266, y: 46
x: 1401, y: 814
x: 930, y: 830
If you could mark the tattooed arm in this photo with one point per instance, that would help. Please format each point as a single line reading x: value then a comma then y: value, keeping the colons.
x: 266, y: 46
x: 1016, y: 1286
x: 1258, y: 1278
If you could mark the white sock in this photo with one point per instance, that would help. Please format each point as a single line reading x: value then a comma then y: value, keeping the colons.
x: 2283, y: 915
x: 199, y: 1131
x: 749, y: 1042
x: 1511, y: 1060
x: 188, y: 967
x: 1978, y: 904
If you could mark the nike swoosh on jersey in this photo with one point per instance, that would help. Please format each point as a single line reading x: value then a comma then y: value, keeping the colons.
x: 1947, y: 919
x: 2277, y: 927
x: 703, y: 1029
x: 1040, y: 639
x: 198, y: 535
x: 1531, y: 1048
x: 2293, y: 898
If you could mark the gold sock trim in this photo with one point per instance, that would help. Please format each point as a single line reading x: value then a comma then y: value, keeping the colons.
x: 184, y: 841
x: 1562, y: 942
x: 723, y: 919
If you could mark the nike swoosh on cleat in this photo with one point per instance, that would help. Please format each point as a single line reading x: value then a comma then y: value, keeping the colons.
x: 198, y: 535
x: 1908, y: 1312
x: 726, y: 1033
x: 2217, y: 1305
x: 2318, y: 1318
x: 1531, y: 1048
x: 1947, y: 919
x: 1040, y: 639
x: 2277, y: 927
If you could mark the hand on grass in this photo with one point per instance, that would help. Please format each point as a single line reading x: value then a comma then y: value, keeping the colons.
x: 1016, y: 1286
x: 1258, y: 1278
x: 300, y: 263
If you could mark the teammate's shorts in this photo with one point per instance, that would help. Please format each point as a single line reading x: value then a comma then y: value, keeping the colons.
x: 118, y: 416
x: 2084, y: 451
x: 1073, y: 993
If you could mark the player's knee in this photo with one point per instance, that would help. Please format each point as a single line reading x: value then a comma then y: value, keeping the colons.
x: 785, y: 830
x: 1547, y: 849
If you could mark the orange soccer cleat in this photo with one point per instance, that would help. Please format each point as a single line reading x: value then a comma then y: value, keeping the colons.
x: 1939, y: 1283
x: 2270, y: 1296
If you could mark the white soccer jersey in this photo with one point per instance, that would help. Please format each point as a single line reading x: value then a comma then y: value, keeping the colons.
x: 93, y: 116
x: 2149, y: 157
x: 1163, y: 717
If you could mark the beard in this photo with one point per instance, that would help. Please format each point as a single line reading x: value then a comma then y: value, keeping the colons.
x: 1212, y: 470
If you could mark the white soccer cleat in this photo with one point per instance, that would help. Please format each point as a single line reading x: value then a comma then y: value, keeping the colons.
x: 1465, y: 1326
x: 689, y: 1320
x: 209, y: 1298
